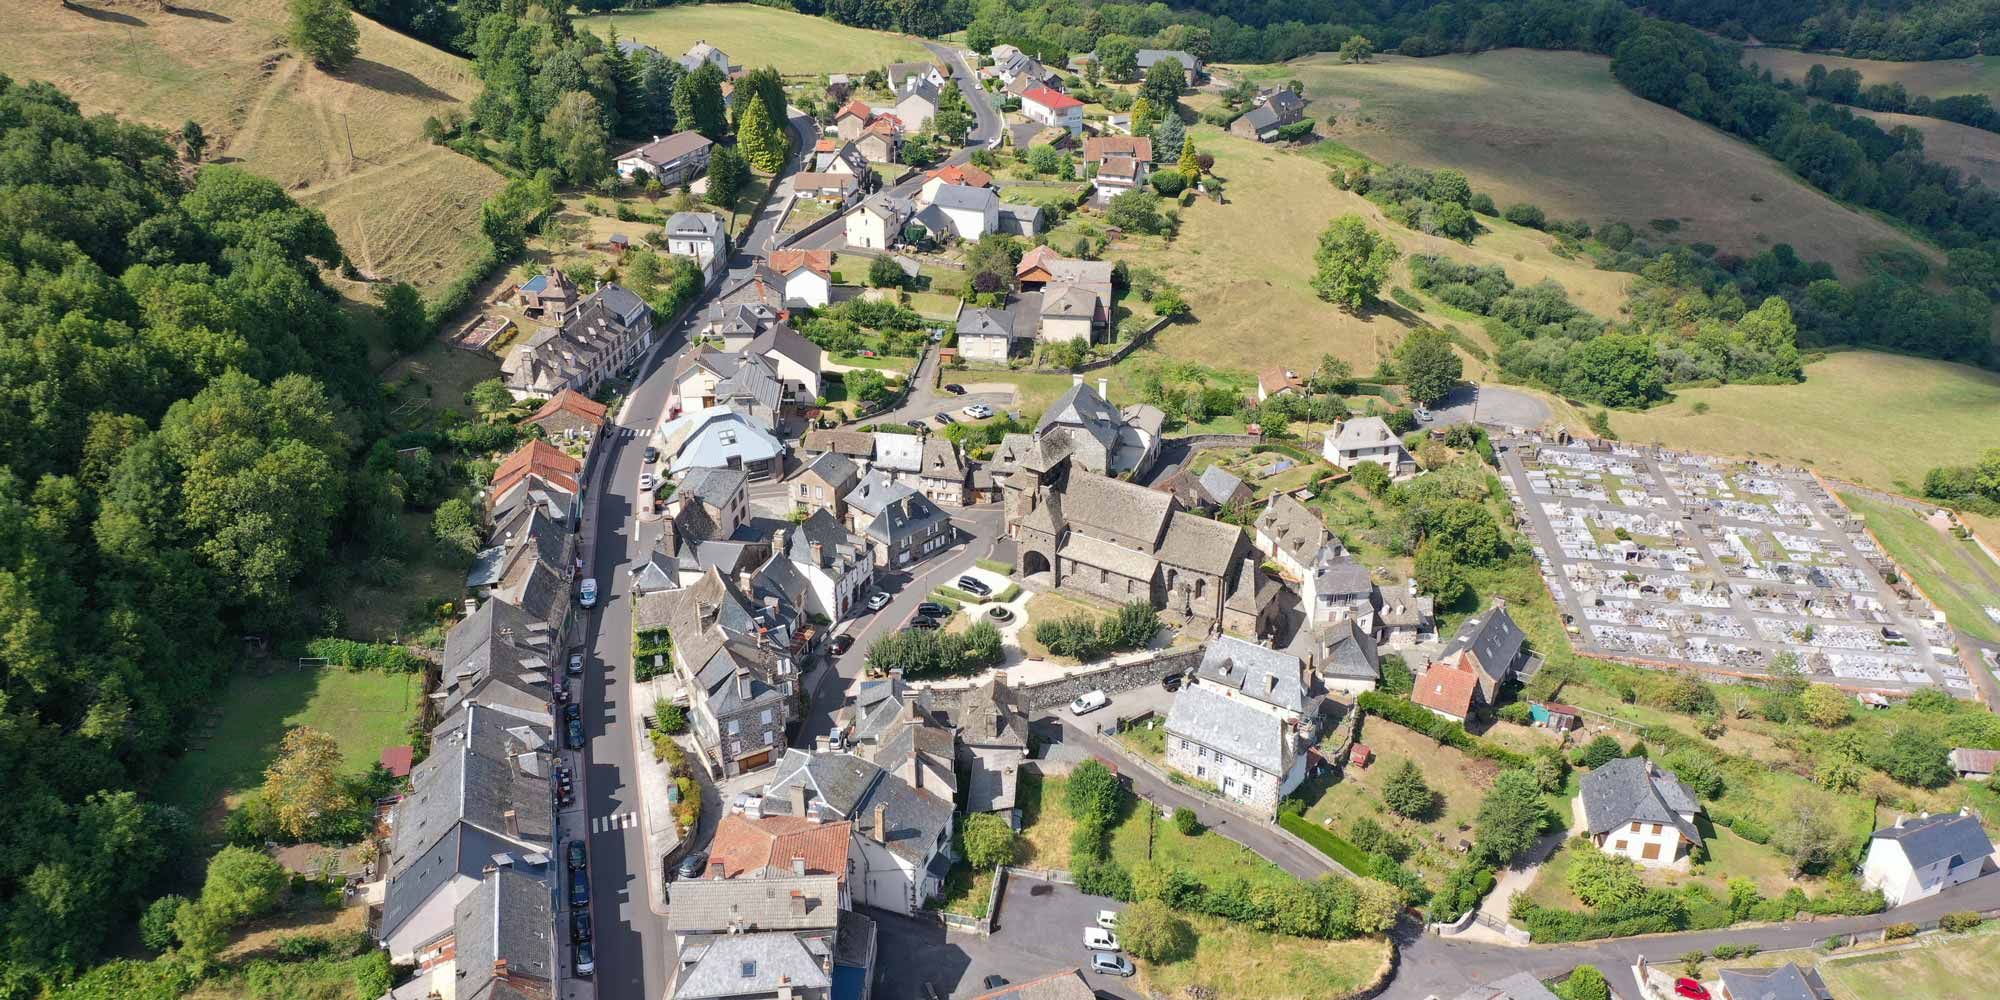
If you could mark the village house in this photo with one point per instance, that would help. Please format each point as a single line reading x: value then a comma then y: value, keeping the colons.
x: 879, y: 223
x: 902, y: 822
x: 849, y: 160
x: 900, y: 524
x: 965, y: 174
x: 720, y: 437
x: 1053, y: 108
x: 537, y: 474
x: 1242, y: 722
x: 903, y: 76
x: 673, y: 161
x: 882, y: 140
x: 1406, y: 619
x: 1279, y: 380
x: 568, y: 416
x: 836, y: 188
x: 526, y: 563
x: 1342, y: 656
x: 743, y: 381
x: 709, y: 503
x: 1918, y: 858
x: 1633, y: 809
x: 702, y: 237
x: 1262, y: 122
x: 985, y: 334
x: 1075, y: 294
x: 608, y: 330
x: 781, y: 935
x: 818, y: 566
x: 548, y: 296
x: 806, y: 276
x: 1081, y: 428
x: 499, y: 656
x: 917, y: 105
x: 1368, y: 439
x: 1207, y: 491
x: 1786, y: 982
x: 1117, y: 175
x: 767, y: 847
x: 858, y: 446
x: 798, y: 361
x: 1190, y: 66
x: 823, y: 483
x: 852, y: 119
x: 737, y: 323
x: 972, y: 212
x: 736, y: 661
x: 1487, y: 651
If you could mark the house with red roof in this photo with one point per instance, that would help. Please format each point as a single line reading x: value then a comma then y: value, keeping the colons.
x: 1053, y: 108
x: 1449, y: 687
x: 568, y: 416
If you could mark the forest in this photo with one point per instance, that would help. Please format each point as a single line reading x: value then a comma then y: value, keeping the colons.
x: 182, y: 401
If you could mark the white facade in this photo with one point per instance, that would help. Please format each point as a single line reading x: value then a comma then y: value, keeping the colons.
x: 1368, y: 439
x: 1941, y: 865
x: 1654, y: 845
x: 868, y: 230
x: 971, y: 224
x: 1060, y: 110
x: 984, y: 348
x: 806, y: 287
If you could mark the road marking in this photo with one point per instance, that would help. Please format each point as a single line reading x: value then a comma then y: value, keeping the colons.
x: 615, y: 821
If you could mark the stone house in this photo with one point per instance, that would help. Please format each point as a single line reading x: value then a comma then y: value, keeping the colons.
x: 569, y: 416
x: 823, y: 484
x: 608, y: 330
x: 548, y: 296
x: 736, y: 661
x: 819, y: 566
x: 902, y: 821
x: 900, y: 524
x: 1242, y: 722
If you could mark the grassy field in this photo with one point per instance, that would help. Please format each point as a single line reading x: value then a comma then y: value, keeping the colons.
x: 365, y: 711
x: 1939, y: 969
x: 1933, y: 78
x: 752, y: 36
x: 1553, y: 128
x: 1459, y: 780
x: 1245, y: 265
x: 1210, y: 857
x: 1878, y: 419
x: 1045, y: 823
x: 1974, y: 151
x: 1235, y: 961
x: 349, y: 142
x: 1955, y: 574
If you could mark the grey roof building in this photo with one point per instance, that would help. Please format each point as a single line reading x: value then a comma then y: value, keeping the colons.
x: 1930, y: 839
x: 499, y: 654
x: 751, y: 965
x: 504, y: 935
x: 1494, y: 640
x: 1519, y: 986
x: 747, y: 905
x: 914, y: 821
x: 1342, y: 654
x: 1267, y: 675
x: 736, y: 658
x: 1786, y: 982
x: 1634, y: 790
x: 1229, y: 726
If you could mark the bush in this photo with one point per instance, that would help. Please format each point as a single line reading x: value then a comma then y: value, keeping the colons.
x: 1897, y: 932
x: 1585, y: 983
x: 670, y: 718
x: 1094, y: 795
x: 1961, y: 921
x: 1406, y: 793
x: 1524, y: 214
x: 987, y: 841
x: 156, y: 925
x: 1155, y: 933
x: 1601, y: 751
x: 382, y: 656
x: 995, y: 566
x: 1516, y: 712
x: 1186, y: 822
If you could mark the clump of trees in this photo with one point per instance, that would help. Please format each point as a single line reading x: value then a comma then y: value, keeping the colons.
x: 1438, y: 202
x: 921, y: 652
x: 1351, y: 263
x: 1080, y: 637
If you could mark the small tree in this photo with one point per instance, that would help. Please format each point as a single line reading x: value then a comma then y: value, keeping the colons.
x: 1826, y: 706
x: 1406, y: 794
x: 1357, y: 49
x: 988, y: 841
x: 241, y: 883
x: 1372, y: 477
x: 193, y: 139
x: 324, y: 31
x: 1437, y: 574
x: 1511, y: 816
x: 456, y: 526
x: 1152, y: 931
x: 1094, y: 794
x: 156, y: 925
x: 1376, y: 905
x: 1430, y: 368
x: 1601, y: 751
x: 303, y: 784
x: 883, y: 273
x: 403, y: 317
x: 1601, y: 879
x: 1352, y: 261
x: 1186, y: 822
x: 1585, y: 983
x: 727, y: 173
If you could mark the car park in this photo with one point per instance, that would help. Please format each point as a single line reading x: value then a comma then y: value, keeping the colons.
x: 581, y: 961
x: 1107, y: 963
x: 579, y: 926
x: 925, y: 624
x: 1089, y: 701
x: 588, y: 592
x: 579, y: 859
x: 579, y: 887
x: 877, y: 601
x: 974, y: 585
x: 1099, y: 939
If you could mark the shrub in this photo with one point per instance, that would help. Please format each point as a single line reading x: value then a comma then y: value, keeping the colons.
x: 1961, y: 921
x: 1601, y: 751
x: 1585, y: 983
x: 1155, y: 933
x: 1516, y: 712
x: 988, y: 841
x: 1406, y: 793
x: 156, y: 925
x: 1094, y: 795
x: 1522, y: 213
x: 1186, y: 822
x: 995, y: 566
x: 669, y: 718
x: 1897, y: 932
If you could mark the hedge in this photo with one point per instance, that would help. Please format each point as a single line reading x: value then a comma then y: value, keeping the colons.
x: 1013, y: 590
x: 386, y: 657
x: 1411, y: 715
x: 995, y: 566
x: 1286, y: 450
x: 1349, y: 856
x: 947, y: 594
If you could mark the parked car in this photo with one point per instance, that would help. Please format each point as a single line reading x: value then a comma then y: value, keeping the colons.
x: 954, y: 388
x: 579, y: 887
x: 943, y: 418
x: 561, y: 691
x: 974, y: 585
x: 1107, y: 963
x: 994, y: 982
x: 1089, y: 701
x: 1171, y: 682
x: 842, y: 643
x: 589, y: 592
x: 978, y: 411
x: 1107, y: 919
x: 877, y: 601
x: 579, y: 926
x: 652, y: 454
x: 925, y: 624
x: 932, y: 609
x: 576, y: 664
x: 573, y: 734
x: 579, y: 859
x: 918, y: 424
x: 581, y: 961
x: 1690, y: 989
x: 692, y: 865
x: 1099, y: 939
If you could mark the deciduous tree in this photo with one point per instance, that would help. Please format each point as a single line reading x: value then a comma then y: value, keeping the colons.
x: 1511, y: 816
x: 1155, y: 933
x: 325, y: 31
x: 303, y: 784
x: 1352, y: 262
x: 988, y: 840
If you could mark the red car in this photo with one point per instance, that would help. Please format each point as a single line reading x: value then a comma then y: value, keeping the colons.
x: 1685, y: 987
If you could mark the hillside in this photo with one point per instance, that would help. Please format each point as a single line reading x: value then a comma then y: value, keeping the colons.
x: 1553, y: 128
x: 798, y: 44
x: 403, y: 209
x: 1932, y: 78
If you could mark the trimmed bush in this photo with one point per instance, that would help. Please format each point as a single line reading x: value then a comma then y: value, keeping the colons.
x: 995, y: 566
x: 1897, y: 932
x: 1961, y: 921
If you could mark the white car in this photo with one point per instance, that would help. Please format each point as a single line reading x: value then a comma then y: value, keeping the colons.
x: 1099, y: 939
x: 978, y: 411
x: 1107, y: 919
x: 645, y: 482
x: 1089, y: 701
x: 588, y: 593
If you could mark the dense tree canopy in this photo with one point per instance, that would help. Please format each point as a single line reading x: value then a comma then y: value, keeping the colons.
x: 179, y: 395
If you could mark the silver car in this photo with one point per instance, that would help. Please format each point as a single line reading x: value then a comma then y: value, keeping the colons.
x: 1110, y: 964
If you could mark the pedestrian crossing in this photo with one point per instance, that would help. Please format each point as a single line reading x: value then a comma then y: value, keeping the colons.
x: 615, y: 821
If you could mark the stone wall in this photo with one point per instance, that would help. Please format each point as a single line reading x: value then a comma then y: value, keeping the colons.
x: 1111, y: 678
x: 1196, y: 442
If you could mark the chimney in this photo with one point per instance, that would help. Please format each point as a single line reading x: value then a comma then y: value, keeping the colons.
x: 798, y: 897
x: 1076, y: 378
x: 743, y: 676
x: 513, y: 820
x: 819, y: 554
x: 499, y: 968
x: 881, y: 823
x: 1104, y: 388
x: 798, y: 864
x: 822, y: 744
x: 708, y: 613
x: 715, y: 869
x: 796, y: 795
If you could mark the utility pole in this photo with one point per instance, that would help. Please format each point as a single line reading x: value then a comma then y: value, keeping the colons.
x: 349, y: 129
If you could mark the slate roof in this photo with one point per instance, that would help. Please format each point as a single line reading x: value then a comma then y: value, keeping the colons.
x: 1633, y: 789
x: 986, y: 322
x: 1221, y: 485
x: 852, y: 787
x: 856, y: 444
x: 739, y: 965
x: 1253, y: 590
x: 695, y: 225
x: 715, y: 487
x: 1068, y: 303
x: 1931, y: 839
x: 1147, y: 57
x: 1093, y: 551
x: 1262, y: 117
x: 1197, y: 543
x: 1230, y: 726
x: 508, y: 917
x: 966, y: 197
x: 1336, y: 573
x: 1519, y: 986
x: 837, y: 469
x: 1363, y: 432
x: 875, y: 492
x: 497, y: 646
x: 665, y: 151
x: 1493, y: 639
x: 1268, y: 675
x: 1343, y: 651
x: 1294, y: 528
x: 1115, y: 506
x: 782, y: 903
x: 1786, y: 982
x: 898, y: 452
x: 788, y: 343
x: 908, y: 516
x: 941, y: 460
x: 738, y: 319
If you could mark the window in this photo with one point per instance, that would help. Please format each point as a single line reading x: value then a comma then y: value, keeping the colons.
x: 1651, y: 852
x: 1184, y: 744
x: 1635, y: 826
x: 1656, y: 828
x: 1618, y: 845
x: 765, y: 717
x: 767, y: 737
x: 735, y: 727
x: 1200, y: 772
x: 1228, y: 784
x: 1201, y: 752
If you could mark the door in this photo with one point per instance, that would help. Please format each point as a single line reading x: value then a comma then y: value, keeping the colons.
x: 753, y: 761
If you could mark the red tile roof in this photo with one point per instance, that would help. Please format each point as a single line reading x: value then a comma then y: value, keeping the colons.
x: 1448, y: 685
x: 1054, y: 100
x: 817, y: 261
x: 574, y: 403
x: 1096, y: 148
x: 965, y: 173
x: 856, y: 107
x: 887, y: 125
x: 537, y: 458
x: 745, y: 846
x: 1040, y: 256
x: 397, y: 761
x: 824, y: 145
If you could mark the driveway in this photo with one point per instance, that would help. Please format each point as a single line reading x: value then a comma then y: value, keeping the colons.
x: 1490, y: 404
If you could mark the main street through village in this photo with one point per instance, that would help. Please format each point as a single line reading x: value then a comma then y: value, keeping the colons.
x: 636, y: 954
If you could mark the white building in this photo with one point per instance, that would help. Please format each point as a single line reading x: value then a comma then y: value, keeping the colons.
x: 702, y: 236
x: 878, y: 223
x: 901, y: 811
x: 719, y: 437
x: 818, y: 565
x: 1919, y: 858
x: 916, y: 106
x: 972, y: 212
x: 805, y: 275
x: 1053, y: 108
x: 702, y: 52
x: 1368, y: 439
x: 673, y: 161
x: 985, y: 334
x: 1633, y: 809
x: 1243, y: 722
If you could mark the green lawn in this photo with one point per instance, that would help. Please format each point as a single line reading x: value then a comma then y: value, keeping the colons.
x: 1232, y: 960
x: 1047, y: 606
x: 755, y: 36
x: 935, y: 305
x: 1045, y: 824
x: 1942, y: 970
x: 365, y: 711
x: 1459, y: 780
x: 966, y: 892
x: 1954, y: 573
x: 1209, y: 856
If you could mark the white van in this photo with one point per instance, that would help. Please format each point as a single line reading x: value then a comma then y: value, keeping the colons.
x: 589, y: 592
x: 1089, y: 701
